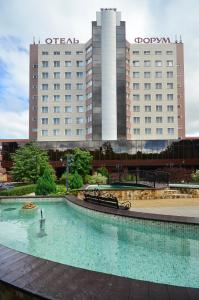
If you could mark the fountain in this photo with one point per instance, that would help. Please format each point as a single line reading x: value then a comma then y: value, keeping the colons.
x: 42, y: 226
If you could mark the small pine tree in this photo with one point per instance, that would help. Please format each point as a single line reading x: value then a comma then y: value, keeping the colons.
x: 75, y: 181
x: 46, y: 184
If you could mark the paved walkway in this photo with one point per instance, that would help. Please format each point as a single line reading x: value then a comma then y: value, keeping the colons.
x: 174, y: 207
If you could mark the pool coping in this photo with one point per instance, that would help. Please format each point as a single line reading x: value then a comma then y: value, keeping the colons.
x: 25, y: 273
x: 133, y: 214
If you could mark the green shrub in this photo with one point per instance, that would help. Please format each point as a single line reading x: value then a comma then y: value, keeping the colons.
x: 103, y: 171
x: 75, y: 181
x: 129, y: 177
x: 46, y: 184
x: 96, y: 179
x: 19, y: 191
x: 195, y: 176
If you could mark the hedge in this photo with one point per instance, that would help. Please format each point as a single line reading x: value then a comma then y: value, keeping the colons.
x: 19, y: 191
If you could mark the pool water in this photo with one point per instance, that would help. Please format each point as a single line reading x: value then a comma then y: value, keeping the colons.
x: 139, y: 249
x: 114, y: 187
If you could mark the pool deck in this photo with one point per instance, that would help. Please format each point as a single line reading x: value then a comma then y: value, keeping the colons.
x: 23, y: 276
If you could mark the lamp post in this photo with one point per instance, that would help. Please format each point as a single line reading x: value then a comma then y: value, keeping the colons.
x: 67, y: 160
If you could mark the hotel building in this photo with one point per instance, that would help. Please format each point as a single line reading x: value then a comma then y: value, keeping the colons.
x: 107, y: 88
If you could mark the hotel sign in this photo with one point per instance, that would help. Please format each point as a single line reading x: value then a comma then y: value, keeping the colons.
x: 153, y: 40
x: 61, y: 41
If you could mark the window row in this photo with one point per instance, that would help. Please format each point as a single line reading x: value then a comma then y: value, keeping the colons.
x: 149, y: 97
x: 150, y: 74
x: 57, y: 98
x: 57, y: 86
x: 148, y: 86
x: 158, y: 131
x: 69, y: 132
x: 148, y: 108
x: 78, y: 52
x: 68, y: 63
x: 156, y: 52
x: 149, y: 63
x: 59, y: 75
x: 67, y: 109
x: 57, y: 121
x: 148, y: 120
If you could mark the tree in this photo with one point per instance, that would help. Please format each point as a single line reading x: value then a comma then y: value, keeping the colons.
x: 103, y: 171
x: 81, y: 162
x: 46, y: 183
x: 29, y: 163
x: 75, y: 181
x: 195, y: 176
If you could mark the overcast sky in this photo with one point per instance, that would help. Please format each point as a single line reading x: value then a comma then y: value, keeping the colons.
x: 20, y: 20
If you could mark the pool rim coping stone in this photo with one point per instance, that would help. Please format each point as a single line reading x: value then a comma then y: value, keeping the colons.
x: 102, y: 276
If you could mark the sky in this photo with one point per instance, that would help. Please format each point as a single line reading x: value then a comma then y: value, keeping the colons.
x: 20, y: 20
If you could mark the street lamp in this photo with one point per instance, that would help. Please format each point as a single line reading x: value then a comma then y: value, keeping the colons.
x: 67, y: 161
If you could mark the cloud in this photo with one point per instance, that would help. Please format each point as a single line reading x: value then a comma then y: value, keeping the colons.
x: 14, y: 124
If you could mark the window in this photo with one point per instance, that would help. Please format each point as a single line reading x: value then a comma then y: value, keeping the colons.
x: 56, y: 75
x: 88, y: 61
x: 146, y: 52
x: 170, y: 85
x: 170, y: 131
x: 136, y: 120
x: 169, y: 52
x: 56, y: 132
x: 158, y: 97
x: 169, y: 107
x: 35, y: 66
x: 56, y: 86
x: 67, y: 75
x: 147, y: 74
x: 147, y: 63
x: 169, y: 97
x: 136, y: 52
x: 56, y: 52
x: 158, y: 86
x: 44, y: 52
x: 44, y: 64
x: 89, y: 72
x: 44, y: 132
x: 80, y: 74
x: 44, y: 87
x: 136, y: 86
x: 89, y: 83
x: 68, y: 109
x: 158, y: 74
x: 89, y: 130
x: 68, y: 120
x: 67, y: 86
x: 80, y: 97
x: 147, y: 86
x: 159, y: 108
x: 44, y: 121
x: 136, y: 131
x: 56, y: 63
x: 68, y: 63
x: 136, y: 74
x: 136, y: 108
x: 44, y: 98
x: 34, y: 98
x: 89, y: 95
x: 79, y: 63
x: 158, y: 119
x: 68, y: 98
x: 147, y: 97
x: 89, y: 118
x: 170, y: 119
x: 44, y: 109
x: 159, y: 131
x: 136, y: 63
x: 79, y: 52
x: 147, y: 120
x: 68, y: 132
x: 34, y: 87
x: 56, y: 121
x: 79, y: 120
x: 80, y: 86
x: 45, y: 75
x: 147, y: 130
x: 56, y: 109
x: 79, y: 131
x: 169, y: 74
x: 136, y: 97
x: 147, y: 108
x: 158, y: 52
x: 169, y: 63
x: 56, y: 98
x: 80, y: 109
x: 67, y: 52
x: 158, y: 63
x: 89, y: 49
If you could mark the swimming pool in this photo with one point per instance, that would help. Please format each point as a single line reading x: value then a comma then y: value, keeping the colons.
x: 139, y: 249
x: 114, y: 187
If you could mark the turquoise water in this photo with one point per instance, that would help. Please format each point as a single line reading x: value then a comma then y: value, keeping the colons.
x: 114, y: 187
x: 146, y: 250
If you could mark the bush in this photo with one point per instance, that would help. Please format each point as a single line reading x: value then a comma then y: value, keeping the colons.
x: 103, y: 171
x: 19, y: 191
x: 75, y: 181
x: 96, y: 179
x: 46, y: 184
x: 129, y: 177
x: 195, y: 176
